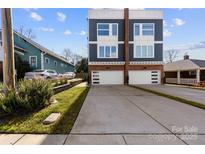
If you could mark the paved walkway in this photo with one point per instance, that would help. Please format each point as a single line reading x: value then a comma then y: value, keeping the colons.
x: 183, y: 92
x: 125, y: 115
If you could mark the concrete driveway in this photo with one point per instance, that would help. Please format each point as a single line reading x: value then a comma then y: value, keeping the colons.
x: 196, y: 95
x: 125, y: 115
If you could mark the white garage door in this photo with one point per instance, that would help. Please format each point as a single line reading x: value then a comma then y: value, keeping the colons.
x: 107, y: 77
x: 144, y: 77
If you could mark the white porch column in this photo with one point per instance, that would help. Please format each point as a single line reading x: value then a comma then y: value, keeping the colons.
x: 198, y: 76
x: 178, y: 77
x: 42, y: 60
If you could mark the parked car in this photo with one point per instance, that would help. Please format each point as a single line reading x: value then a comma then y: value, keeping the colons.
x: 41, y: 73
x: 69, y: 75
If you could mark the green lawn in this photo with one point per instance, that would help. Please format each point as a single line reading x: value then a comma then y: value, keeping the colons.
x: 69, y: 105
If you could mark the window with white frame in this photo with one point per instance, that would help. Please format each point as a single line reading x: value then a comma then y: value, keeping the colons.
x: 33, y: 61
x: 107, y: 51
x: 144, y: 51
x: 55, y: 63
x: 143, y: 29
x: 47, y: 60
x: 107, y: 29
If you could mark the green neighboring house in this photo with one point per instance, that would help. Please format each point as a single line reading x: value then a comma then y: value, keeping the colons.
x: 38, y: 56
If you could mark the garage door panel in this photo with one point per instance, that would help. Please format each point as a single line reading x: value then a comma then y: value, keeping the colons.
x: 107, y: 77
x: 144, y: 77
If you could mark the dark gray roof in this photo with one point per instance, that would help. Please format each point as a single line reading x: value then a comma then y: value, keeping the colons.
x: 200, y: 63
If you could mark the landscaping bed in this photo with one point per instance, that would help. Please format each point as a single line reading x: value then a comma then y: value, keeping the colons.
x: 69, y: 104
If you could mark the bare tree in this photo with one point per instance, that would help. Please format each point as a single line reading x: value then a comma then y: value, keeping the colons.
x: 68, y: 54
x: 71, y: 57
x: 171, y: 55
x: 27, y: 32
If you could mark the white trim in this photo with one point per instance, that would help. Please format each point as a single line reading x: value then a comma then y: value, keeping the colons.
x: 110, y: 45
x: 132, y: 42
x: 106, y: 63
x: 146, y: 62
x: 95, y: 42
x: 30, y: 60
x: 158, y: 42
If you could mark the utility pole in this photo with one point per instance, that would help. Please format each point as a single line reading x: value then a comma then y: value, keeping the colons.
x: 8, y: 46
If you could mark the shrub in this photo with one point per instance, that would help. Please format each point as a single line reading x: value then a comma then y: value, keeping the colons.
x: 35, y: 93
x: 30, y: 95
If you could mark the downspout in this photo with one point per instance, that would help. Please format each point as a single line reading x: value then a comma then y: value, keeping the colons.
x: 126, y: 43
x: 42, y: 59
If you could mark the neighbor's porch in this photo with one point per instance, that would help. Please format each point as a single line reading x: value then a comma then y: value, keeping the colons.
x: 187, y: 77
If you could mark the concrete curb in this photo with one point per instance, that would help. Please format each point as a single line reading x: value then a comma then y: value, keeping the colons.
x: 176, y: 98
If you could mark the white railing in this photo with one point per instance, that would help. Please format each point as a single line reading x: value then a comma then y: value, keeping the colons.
x: 171, y: 80
x: 187, y: 81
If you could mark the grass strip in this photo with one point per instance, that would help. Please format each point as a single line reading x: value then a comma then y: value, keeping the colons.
x: 69, y: 104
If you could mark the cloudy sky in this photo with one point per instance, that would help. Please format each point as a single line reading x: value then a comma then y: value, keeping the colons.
x: 58, y: 29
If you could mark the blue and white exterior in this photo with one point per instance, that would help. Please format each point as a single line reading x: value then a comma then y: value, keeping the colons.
x: 106, y: 44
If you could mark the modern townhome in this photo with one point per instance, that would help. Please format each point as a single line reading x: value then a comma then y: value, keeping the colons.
x: 185, y: 71
x: 38, y: 56
x: 125, y: 46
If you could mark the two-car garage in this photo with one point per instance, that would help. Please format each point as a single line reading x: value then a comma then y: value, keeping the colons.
x: 117, y: 77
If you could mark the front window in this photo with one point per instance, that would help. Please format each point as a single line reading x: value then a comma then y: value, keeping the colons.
x: 33, y: 61
x: 137, y: 29
x: 143, y: 29
x: 107, y: 51
x: 103, y: 29
x: 144, y: 51
x: 107, y: 29
x: 148, y: 29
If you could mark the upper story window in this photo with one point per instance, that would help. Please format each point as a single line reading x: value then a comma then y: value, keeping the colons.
x: 107, y: 51
x: 107, y: 29
x: 144, y: 29
x: 144, y: 51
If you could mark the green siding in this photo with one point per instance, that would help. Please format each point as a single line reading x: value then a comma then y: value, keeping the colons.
x: 33, y: 51
x: 30, y: 50
x: 60, y: 69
